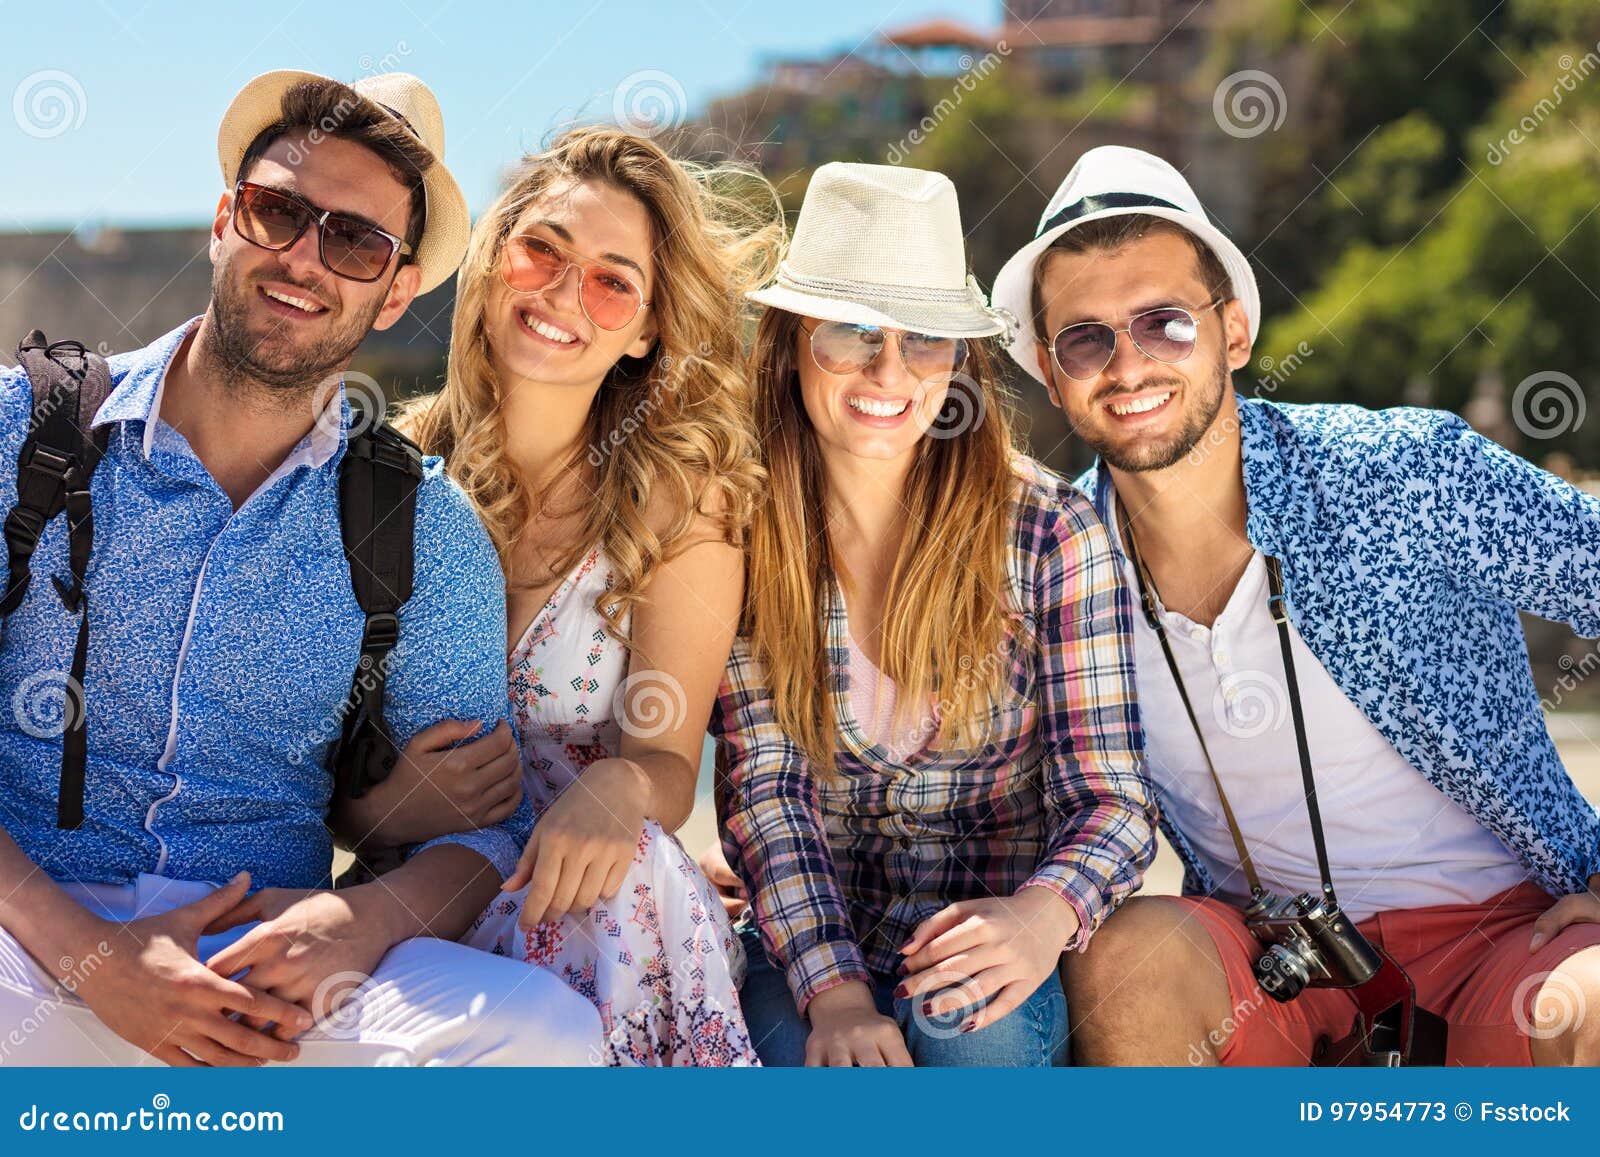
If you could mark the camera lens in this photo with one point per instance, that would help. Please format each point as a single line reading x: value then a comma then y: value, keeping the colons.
x: 1281, y: 973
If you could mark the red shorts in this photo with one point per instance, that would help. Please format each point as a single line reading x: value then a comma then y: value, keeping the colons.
x: 1470, y: 963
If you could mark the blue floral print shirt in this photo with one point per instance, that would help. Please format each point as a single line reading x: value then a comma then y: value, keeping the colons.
x: 1409, y: 543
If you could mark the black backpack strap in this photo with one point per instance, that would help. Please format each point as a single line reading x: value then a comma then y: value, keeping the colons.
x: 377, y: 514
x: 58, y: 458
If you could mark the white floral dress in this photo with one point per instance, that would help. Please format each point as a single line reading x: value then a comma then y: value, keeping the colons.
x: 658, y: 959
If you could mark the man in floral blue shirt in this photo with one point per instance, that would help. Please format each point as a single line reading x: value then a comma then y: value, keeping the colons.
x: 225, y: 634
x: 1407, y: 545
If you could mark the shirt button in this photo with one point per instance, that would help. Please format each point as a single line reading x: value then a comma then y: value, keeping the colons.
x: 1220, y: 657
x: 1197, y: 633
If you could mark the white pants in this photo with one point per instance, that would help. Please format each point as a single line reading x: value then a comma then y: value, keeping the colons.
x: 430, y: 1002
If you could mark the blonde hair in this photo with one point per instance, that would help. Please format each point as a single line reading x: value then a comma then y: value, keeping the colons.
x: 683, y: 408
x: 948, y: 610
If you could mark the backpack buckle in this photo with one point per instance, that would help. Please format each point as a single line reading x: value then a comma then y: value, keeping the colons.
x: 382, y: 632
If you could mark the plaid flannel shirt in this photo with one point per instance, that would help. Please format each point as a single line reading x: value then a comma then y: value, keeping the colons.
x: 840, y: 872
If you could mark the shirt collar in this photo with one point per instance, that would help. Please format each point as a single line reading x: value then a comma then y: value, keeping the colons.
x: 137, y: 399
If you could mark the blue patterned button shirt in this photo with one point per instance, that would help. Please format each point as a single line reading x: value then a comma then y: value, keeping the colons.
x: 221, y: 645
x: 1408, y: 544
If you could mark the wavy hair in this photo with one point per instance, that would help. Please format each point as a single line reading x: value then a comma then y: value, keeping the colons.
x: 949, y: 615
x: 674, y: 423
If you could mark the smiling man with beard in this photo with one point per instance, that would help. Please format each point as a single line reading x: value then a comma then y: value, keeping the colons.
x: 1401, y: 546
x: 225, y: 635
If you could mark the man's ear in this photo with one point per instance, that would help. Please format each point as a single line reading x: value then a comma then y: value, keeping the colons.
x: 1236, y: 331
x: 1046, y: 370
x: 402, y: 292
x: 219, y: 223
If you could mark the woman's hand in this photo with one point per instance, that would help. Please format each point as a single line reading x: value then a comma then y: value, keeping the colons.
x: 584, y: 843
x: 730, y: 889
x: 847, y: 1029
x: 437, y: 788
x: 998, y: 950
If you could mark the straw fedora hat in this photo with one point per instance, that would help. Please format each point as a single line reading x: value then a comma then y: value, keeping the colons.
x: 447, y: 225
x: 881, y: 245
x: 1112, y: 181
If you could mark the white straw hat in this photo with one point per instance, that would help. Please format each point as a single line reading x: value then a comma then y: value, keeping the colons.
x: 1113, y: 181
x: 447, y: 226
x: 881, y: 245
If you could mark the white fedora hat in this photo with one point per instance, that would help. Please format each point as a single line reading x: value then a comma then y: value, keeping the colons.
x: 1113, y: 181
x: 881, y: 245
x: 447, y: 225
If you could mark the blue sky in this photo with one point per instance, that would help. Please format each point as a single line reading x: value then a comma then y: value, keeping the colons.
x: 132, y: 137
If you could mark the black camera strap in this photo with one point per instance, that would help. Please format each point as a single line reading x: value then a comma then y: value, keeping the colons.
x: 1277, y: 604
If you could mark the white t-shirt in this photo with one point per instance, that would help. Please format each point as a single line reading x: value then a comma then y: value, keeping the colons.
x: 1394, y: 840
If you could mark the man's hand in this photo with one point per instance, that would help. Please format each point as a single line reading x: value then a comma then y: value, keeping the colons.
x: 153, y: 992
x: 311, y: 949
x: 584, y: 843
x: 437, y: 789
x: 730, y: 889
x: 998, y: 950
x: 1578, y: 908
x: 847, y: 1029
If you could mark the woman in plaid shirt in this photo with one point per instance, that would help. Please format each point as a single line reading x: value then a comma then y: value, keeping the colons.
x: 932, y: 794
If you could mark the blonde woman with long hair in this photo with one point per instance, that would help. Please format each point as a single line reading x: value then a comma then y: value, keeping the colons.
x: 929, y: 771
x: 596, y: 413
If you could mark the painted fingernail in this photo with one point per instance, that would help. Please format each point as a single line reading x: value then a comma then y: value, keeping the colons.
x: 905, y: 969
x: 927, y: 1008
x: 902, y: 992
x: 969, y: 1026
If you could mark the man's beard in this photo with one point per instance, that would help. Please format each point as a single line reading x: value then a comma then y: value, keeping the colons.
x: 270, y: 359
x: 1159, y: 454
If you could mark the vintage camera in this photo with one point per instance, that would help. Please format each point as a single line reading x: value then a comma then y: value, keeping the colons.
x: 1310, y: 943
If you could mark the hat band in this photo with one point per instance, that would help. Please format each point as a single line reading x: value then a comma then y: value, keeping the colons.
x: 872, y: 290
x: 1098, y: 202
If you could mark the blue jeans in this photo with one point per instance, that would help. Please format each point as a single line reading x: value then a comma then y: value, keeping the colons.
x: 1031, y: 1035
